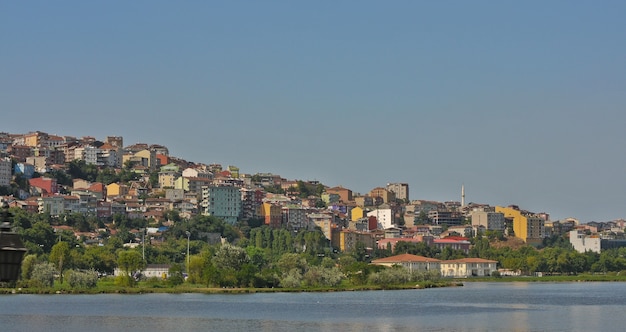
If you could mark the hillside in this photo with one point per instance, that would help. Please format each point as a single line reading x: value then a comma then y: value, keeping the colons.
x: 511, y: 242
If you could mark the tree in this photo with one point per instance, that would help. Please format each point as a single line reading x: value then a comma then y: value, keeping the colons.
x: 39, y: 237
x: 27, y: 266
x: 60, y: 257
x: 197, y: 265
x: 359, y: 252
x: 101, y: 259
x: 230, y: 257
x: 130, y: 261
x: 108, y: 176
x: 176, y: 275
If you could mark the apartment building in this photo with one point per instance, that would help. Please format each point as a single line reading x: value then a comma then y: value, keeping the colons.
x: 5, y: 171
x: 527, y: 226
x: 223, y: 202
x: 400, y: 190
x: 493, y: 221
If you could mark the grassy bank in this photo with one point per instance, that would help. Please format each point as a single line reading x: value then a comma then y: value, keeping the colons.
x: 108, y: 287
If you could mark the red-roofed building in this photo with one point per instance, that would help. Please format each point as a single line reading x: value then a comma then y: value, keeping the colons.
x: 345, y: 195
x: 47, y: 185
x: 462, y: 245
x: 412, y: 262
x: 468, y: 267
x: 99, y: 188
x: 384, y: 243
x: 224, y: 174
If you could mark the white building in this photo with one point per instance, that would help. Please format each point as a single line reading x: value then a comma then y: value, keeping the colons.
x: 582, y: 242
x: 196, y: 173
x: 412, y: 263
x: 493, y: 221
x: 384, y: 218
x: 54, y: 205
x: 468, y: 267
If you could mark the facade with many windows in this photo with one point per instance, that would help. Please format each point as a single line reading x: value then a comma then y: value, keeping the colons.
x: 493, y: 221
x: 400, y: 190
x: 468, y: 267
x: 526, y: 226
x: 222, y: 202
x: 5, y: 171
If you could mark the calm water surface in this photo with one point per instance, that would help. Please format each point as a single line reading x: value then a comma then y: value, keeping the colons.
x: 474, y: 307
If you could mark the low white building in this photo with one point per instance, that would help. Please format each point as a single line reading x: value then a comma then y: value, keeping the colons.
x: 468, y: 267
x: 413, y: 263
x: 150, y: 271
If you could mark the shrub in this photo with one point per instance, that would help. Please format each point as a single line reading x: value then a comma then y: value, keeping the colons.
x: 82, y: 279
x: 42, y: 274
x: 390, y: 276
x: 155, y: 282
x: 124, y: 281
x: 293, y: 279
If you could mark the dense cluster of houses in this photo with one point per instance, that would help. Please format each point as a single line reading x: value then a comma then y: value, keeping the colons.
x: 379, y: 218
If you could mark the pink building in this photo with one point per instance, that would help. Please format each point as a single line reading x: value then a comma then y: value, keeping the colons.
x: 47, y: 185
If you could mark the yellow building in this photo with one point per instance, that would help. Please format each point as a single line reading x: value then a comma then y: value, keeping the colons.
x: 357, y: 213
x: 146, y: 158
x: 272, y: 214
x: 346, y: 240
x: 386, y: 195
x: 33, y: 139
x: 526, y: 226
x: 116, y: 190
x: 234, y: 171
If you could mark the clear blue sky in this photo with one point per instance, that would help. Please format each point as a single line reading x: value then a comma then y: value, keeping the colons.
x: 521, y: 101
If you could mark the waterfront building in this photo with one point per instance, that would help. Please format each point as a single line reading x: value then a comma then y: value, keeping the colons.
x: 413, y: 263
x: 468, y: 267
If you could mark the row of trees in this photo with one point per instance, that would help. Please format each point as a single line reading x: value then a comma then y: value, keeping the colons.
x: 560, y: 258
x: 249, y: 255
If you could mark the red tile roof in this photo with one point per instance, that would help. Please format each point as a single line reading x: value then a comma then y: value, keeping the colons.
x: 470, y: 260
x: 405, y: 258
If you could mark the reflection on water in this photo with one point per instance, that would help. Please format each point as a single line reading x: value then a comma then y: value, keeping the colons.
x: 474, y: 307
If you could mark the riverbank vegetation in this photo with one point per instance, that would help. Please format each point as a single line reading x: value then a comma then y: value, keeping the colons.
x: 250, y: 257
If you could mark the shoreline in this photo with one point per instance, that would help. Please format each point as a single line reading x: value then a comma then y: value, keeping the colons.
x: 183, y: 289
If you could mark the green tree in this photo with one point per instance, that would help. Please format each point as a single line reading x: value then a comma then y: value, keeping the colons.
x: 232, y: 257
x: 28, y: 264
x: 60, y: 257
x: 99, y: 258
x: 197, y: 266
x: 176, y: 275
x: 108, y: 176
x: 130, y: 261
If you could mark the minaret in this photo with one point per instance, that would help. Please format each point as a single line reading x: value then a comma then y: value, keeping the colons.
x: 462, y: 195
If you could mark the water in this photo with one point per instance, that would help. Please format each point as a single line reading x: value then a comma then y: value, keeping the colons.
x: 474, y: 307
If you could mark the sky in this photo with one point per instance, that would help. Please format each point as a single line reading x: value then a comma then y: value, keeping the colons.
x: 520, y: 102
